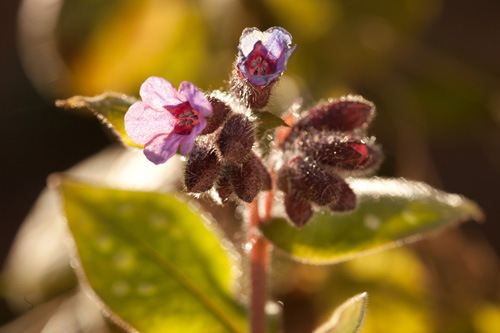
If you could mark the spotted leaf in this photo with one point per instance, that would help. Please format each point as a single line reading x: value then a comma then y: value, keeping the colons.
x: 390, y: 212
x: 151, y: 261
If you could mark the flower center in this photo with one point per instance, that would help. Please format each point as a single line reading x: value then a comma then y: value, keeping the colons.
x: 185, y: 118
x: 260, y: 61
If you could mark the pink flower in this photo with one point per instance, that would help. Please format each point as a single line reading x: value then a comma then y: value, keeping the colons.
x: 167, y: 119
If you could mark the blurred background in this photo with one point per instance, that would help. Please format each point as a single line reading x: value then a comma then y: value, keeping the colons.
x: 432, y: 67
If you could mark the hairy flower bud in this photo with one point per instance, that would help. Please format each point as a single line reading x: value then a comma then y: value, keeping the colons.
x: 224, y: 188
x: 264, y: 176
x: 298, y: 209
x: 344, y: 114
x: 219, y: 115
x: 202, y: 169
x: 334, y: 150
x: 252, y: 96
x: 373, y: 159
x: 310, y: 181
x: 245, y: 180
x: 346, y: 200
x: 236, y: 138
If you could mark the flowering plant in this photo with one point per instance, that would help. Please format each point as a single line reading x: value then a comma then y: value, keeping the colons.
x: 307, y: 194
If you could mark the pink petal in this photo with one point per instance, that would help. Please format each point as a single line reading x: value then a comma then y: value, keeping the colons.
x: 196, y: 98
x: 158, y: 92
x: 161, y: 148
x: 142, y: 123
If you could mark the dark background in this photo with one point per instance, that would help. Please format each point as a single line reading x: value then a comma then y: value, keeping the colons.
x: 37, y: 138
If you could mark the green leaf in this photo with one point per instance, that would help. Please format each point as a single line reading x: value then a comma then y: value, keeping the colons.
x: 267, y: 121
x: 348, y: 317
x: 109, y: 107
x: 152, y: 260
x: 390, y: 212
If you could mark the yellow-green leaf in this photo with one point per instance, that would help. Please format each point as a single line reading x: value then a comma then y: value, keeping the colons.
x: 348, y: 317
x: 390, y: 212
x: 267, y: 121
x: 152, y: 260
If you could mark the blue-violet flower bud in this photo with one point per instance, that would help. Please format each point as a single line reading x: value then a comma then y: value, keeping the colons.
x: 263, y: 55
x: 166, y: 118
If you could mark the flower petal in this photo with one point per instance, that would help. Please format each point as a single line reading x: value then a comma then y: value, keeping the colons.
x: 187, y: 142
x: 163, y: 147
x: 142, y: 123
x: 248, y: 38
x: 283, y: 60
x: 276, y: 39
x: 158, y: 92
x: 196, y: 98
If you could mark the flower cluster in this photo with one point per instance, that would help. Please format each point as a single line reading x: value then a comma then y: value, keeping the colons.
x: 225, y: 159
x: 326, y: 144
x: 311, y: 158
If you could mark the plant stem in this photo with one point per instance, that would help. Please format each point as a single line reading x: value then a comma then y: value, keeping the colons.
x: 258, y: 265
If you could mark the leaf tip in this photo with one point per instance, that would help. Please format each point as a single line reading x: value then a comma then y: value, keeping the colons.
x: 54, y: 180
x: 70, y: 103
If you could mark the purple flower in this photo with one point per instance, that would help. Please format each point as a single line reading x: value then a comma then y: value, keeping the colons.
x: 167, y: 119
x: 263, y: 55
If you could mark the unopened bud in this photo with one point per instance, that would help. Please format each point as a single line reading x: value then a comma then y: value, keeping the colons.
x: 298, y: 210
x: 219, y: 114
x: 373, y: 159
x: 245, y: 180
x: 202, y: 169
x: 333, y: 150
x: 264, y: 176
x: 224, y: 188
x: 310, y: 181
x: 282, y: 180
x: 236, y: 138
x: 345, y: 114
x: 346, y: 200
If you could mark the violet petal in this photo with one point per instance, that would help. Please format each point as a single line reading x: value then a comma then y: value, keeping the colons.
x: 196, y: 98
x: 163, y: 147
x: 283, y: 60
x: 187, y: 142
x: 276, y: 39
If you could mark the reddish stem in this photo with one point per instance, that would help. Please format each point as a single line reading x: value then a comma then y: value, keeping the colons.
x: 259, y: 254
